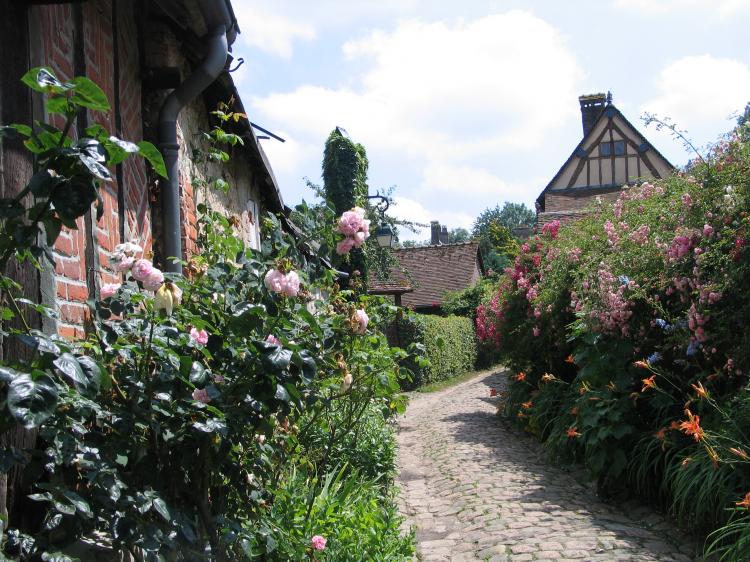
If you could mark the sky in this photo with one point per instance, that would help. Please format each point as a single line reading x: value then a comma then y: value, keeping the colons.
x: 464, y: 105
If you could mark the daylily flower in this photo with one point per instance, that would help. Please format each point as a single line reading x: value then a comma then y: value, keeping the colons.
x: 649, y: 382
x: 572, y: 432
x: 745, y: 502
x: 693, y: 426
x: 521, y: 376
x: 740, y: 453
x: 700, y: 390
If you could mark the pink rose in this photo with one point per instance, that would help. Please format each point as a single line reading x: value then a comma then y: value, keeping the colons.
x: 141, y: 269
x: 350, y: 223
x: 109, y: 289
x: 273, y: 339
x: 274, y: 280
x: 344, y: 246
x: 359, y: 321
x: 201, y: 395
x: 366, y: 228
x: 536, y: 331
x: 124, y: 263
x: 708, y: 230
x: 358, y: 239
x: 318, y: 542
x: 199, y: 336
x: 290, y: 286
x: 154, y: 280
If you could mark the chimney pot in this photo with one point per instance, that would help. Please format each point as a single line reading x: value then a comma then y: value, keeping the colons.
x: 434, y: 233
x: 444, y: 235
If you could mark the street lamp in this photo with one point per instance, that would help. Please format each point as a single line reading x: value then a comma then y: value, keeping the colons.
x: 384, y: 232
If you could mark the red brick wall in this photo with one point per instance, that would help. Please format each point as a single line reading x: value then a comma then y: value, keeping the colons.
x: 575, y: 202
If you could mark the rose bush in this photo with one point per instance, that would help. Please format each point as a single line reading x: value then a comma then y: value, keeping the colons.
x: 628, y: 327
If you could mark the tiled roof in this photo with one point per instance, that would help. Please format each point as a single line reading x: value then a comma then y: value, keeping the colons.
x: 433, y: 270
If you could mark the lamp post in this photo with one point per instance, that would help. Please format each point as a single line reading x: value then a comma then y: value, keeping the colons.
x: 384, y: 232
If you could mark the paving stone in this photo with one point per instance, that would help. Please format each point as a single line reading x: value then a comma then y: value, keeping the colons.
x: 476, y: 488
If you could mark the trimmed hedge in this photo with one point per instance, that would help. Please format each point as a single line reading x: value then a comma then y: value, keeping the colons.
x: 449, y: 345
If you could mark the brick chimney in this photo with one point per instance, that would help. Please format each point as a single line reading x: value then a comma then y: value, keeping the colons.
x: 592, y: 106
x: 444, y: 235
x: 434, y: 233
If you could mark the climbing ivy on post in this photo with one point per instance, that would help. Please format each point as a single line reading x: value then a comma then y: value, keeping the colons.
x: 345, y: 184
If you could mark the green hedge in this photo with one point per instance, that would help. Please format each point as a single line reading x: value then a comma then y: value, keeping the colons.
x: 449, y: 345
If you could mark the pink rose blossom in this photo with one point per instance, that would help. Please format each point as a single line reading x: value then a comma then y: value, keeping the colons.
x: 708, y: 230
x: 124, y: 264
x: 199, y: 336
x: 153, y: 280
x: 359, y: 321
x: 318, y: 542
x: 350, y: 222
x: 274, y: 280
x: 687, y: 200
x: 201, y: 395
x: 109, y: 289
x: 291, y: 284
x: 536, y: 331
x: 141, y: 269
x: 358, y: 239
x: 273, y: 339
x: 344, y: 246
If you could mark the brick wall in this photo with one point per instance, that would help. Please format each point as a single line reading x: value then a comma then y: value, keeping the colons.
x: 101, y: 40
x: 576, y: 202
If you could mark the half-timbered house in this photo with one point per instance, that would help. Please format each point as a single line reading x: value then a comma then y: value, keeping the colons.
x: 612, y: 155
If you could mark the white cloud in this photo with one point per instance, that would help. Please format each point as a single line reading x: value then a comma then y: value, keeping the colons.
x: 721, y: 8
x: 269, y: 31
x: 405, y: 208
x: 701, y: 94
x: 441, y: 97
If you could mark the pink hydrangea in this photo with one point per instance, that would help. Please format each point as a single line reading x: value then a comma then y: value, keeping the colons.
x: 318, y: 542
x: 141, y: 269
x: 359, y: 321
x: 109, y: 289
x: 153, y: 280
x: 199, y: 336
x: 201, y: 395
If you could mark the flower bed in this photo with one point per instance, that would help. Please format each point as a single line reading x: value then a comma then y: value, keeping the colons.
x: 626, y: 333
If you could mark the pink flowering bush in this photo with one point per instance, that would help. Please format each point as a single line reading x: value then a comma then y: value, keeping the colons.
x: 618, y: 318
x: 355, y: 228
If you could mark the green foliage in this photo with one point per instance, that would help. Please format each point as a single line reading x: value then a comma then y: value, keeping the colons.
x: 449, y: 346
x: 626, y: 332
x: 466, y: 301
x: 183, y: 449
x: 493, y: 228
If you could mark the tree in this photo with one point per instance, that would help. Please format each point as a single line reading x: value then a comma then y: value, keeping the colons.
x: 457, y: 235
x: 494, y: 227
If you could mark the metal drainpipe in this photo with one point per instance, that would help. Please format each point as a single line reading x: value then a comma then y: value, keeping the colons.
x: 193, y: 85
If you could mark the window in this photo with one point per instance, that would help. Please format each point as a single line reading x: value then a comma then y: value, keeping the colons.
x: 607, y: 148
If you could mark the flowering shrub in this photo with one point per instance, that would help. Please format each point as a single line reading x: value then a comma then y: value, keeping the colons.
x: 628, y: 326
x: 174, y: 429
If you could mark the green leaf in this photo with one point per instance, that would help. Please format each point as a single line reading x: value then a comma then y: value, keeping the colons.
x: 10, y: 209
x: 78, y: 502
x: 42, y: 79
x: 282, y: 394
x: 95, y: 374
x: 154, y: 157
x: 52, y: 228
x: 43, y: 182
x: 199, y: 374
x: 88, y: 94
x: 85, y: 382
x: 32, y: 401
x: 161, y: 508
x: 59, y: 105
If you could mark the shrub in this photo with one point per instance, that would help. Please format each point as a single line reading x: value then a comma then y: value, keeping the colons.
x: 626, y: 331
x: 449, y: 346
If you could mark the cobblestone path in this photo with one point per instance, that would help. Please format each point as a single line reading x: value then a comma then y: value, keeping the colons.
x: 478, y: 489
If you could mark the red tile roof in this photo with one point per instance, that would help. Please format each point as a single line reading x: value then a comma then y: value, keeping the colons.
x: 432, y: 270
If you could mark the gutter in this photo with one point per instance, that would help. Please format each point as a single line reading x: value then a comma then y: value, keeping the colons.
x: 222, y: 30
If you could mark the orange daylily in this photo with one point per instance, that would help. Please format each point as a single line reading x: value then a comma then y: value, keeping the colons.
x: 572, y: 432
x: 521, y: 376
x: 745, y: 501
x: 649, y: 382
x: 547, y: 377
x: 527, y: 405
x: 570, y: 359
x: 686, y: 461
x: 713, y: 455
x: 661, y: 434
x: 693, y: 426
x: 641, y: 364
x: 740, y: 453
x: 700, y: 390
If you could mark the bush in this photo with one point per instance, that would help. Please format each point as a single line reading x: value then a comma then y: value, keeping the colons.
x: 449, y: 345
x: 627, y: 334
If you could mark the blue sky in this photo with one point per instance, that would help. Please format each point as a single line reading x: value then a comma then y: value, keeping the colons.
x: 464, y: 105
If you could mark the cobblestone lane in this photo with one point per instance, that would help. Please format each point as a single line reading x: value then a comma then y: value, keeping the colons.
x: 478, y: 489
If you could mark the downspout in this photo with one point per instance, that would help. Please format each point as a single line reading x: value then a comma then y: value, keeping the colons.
x: 204, y: 75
